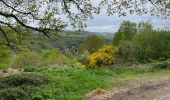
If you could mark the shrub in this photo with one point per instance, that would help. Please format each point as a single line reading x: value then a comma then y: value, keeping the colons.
x: 37, y: 97
x: 52, y: 57
x: 20, y: 86
x: 5, y: 55
x: 24, y: 79
x: 25, y: 59
x: 83, y: 57
x: 32, y: 69
x: 12, y: 94
x: 126, y: 52
x: 152, y: 46
x: 105, y: 56
x: 161, y: 65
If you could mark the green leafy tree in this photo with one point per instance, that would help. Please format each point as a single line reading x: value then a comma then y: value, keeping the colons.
x: 91, y: 43
x: 152, y: 46
x: 126, y: 32
x: 145, y: 27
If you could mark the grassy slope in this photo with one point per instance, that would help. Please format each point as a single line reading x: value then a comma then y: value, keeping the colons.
x: 73, y: 83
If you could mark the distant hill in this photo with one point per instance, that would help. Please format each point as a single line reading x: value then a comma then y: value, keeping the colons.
x: 67, y: 39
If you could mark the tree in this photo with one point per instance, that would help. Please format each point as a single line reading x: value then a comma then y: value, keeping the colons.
x: 144, y: 27
x: 153, y: 45
x: 47, y: 16
x: 126, y: 32
x: 91, y: 43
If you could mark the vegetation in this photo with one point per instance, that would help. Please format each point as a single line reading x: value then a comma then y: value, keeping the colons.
x: 51, y: 17
x: 40, y: 60
x: 5, y: 54
x: 152, y: 46
x: 25, y: 59
x: 126, y: 32
x: 91, y: 43
x: 54, y: 56
x: 145, y: 45
x: 105, y: 56
x: 66, y: 82
x: 69, y: 68
x: 20, y: 86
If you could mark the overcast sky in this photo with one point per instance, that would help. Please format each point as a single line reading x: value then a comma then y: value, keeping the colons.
x: 104, y: 23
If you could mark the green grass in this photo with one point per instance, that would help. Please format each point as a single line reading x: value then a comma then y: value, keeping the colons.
x: 3, y: 66
x: 72, y: 83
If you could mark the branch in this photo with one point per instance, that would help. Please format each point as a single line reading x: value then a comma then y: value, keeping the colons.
x: 9, y: 25
x: 7, y: 39
x: 43, y: 30
x: 24, y: 13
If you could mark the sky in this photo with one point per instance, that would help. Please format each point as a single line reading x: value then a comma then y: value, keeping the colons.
x: 104, y: 23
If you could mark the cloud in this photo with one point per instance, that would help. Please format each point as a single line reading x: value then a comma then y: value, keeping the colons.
x: 104, y: 23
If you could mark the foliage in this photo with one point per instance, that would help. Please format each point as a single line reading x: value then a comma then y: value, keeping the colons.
x: 49, y: 17
x: 32, y: 69
x: 152, y: 46
x: 5, y: 54
x: 105, y: 56
x: 12, y: 94
x: 54, y: 56
x: 127, y: 52
x: 91, y: 43
x: 145, y: 27
x: 25, y: 59
x: 18, y: 86
x: 144, y: 45
x: 161, y: 65
x: 126, y: 32
x: 82, y: 57
x: 24, y: 79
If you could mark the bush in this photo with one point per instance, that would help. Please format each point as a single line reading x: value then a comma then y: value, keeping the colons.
x: 126, y: 53
x: 83, y: 57
x: 52, y: 57
x: 5, y: 55
x: 23, y: 79
x: 152, y: 46
x: 161, y: 65
x: 18, y: 87
x: 25, y: 59
x: 12, y: 94
x: 105, y: 56
x: 33, y: 69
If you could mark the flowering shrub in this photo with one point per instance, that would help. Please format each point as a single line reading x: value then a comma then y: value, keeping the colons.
x: 105, y: 56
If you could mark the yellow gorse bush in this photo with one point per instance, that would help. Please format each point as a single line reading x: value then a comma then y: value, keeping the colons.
x: 104, y: 56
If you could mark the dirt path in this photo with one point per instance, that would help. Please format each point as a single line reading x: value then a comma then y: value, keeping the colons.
x: 149, y: 90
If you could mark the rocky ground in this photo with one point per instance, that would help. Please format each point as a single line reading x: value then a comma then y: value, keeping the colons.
x: 8, y: 71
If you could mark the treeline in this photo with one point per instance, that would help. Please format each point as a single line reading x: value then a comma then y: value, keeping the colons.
x: 132, y: 43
